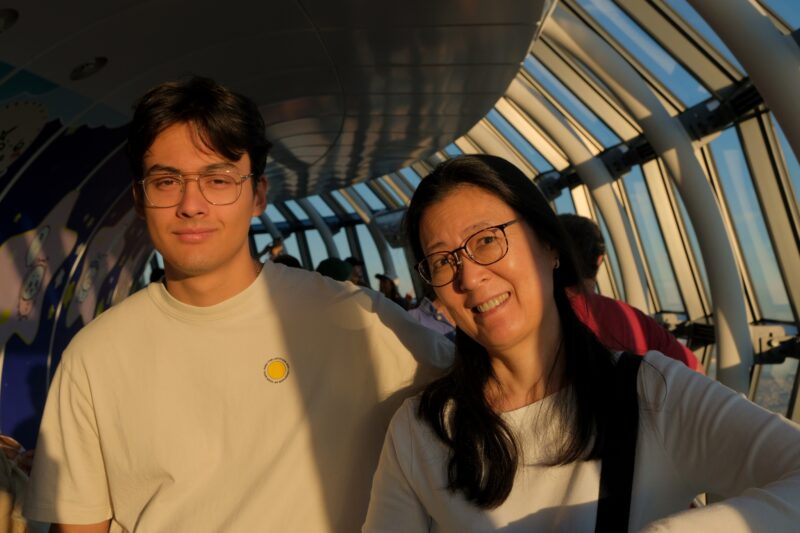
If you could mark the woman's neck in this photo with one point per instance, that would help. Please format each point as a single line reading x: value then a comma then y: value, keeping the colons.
x: 528, y: 374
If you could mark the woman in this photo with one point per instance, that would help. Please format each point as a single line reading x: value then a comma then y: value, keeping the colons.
x: 511, y: 438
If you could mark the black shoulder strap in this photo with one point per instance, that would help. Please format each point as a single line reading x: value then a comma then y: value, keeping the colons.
x: 619, y: 452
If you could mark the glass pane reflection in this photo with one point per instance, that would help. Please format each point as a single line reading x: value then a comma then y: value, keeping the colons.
x: 750, y: 227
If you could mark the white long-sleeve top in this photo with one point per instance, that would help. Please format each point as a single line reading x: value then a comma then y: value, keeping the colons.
x: 695, y: 436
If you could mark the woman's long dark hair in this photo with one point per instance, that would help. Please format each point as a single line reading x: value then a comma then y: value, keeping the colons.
x: 484, y: 453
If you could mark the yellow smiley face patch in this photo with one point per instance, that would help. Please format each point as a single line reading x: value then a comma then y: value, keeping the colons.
x: 276, y: 369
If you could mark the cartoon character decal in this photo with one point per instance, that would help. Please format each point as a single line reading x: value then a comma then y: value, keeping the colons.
x: 28, y: 261
x: 34, y: 276
x: 105, y: 252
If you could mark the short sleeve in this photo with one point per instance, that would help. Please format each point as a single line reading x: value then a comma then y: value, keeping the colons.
x: 68, y: 480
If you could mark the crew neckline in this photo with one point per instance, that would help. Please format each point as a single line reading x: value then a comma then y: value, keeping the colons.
x: 159, y: 294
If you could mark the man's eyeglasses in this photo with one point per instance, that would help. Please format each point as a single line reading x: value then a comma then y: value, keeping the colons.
x: 484, y: 247
x: 218, y: 187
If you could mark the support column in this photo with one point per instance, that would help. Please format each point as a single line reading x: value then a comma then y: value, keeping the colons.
x: 322, y: 227
x: 771, y: 59
x: 674, y: 147
x: 600, y: 183
x: 365, y: 213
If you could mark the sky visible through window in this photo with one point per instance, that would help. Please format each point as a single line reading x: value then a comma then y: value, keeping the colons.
x: 518, y: 141
x: 691, y: 16
x: 788, y: 10
x: 571, y: 103
x: 646, y: 50
x: 655, y: 250
x: 792, y: 166
x: 750, y: 227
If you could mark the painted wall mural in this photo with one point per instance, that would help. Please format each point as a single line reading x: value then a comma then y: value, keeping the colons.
x: 70, y: 243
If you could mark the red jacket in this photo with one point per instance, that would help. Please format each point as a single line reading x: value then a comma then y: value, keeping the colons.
x: 622, y: 327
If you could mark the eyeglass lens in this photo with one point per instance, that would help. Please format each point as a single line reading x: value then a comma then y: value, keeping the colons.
x: 166, y: 190
x: 485, y: 247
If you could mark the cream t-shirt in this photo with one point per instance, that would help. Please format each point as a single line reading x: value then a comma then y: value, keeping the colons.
x: 263, y: 413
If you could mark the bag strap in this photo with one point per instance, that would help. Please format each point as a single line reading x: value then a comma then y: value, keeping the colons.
x: 619, y: 451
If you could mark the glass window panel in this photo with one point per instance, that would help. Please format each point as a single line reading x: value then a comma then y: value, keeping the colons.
x: 611, y: 255
x: 316, y: 246
x: 788, y: 10
x: 647, y: 51
x: 691, y: 16
x: 518, y: 141
x: 371, y: 258
x: 340, y: 239
x: 411, y: 175
x: 343, y: 202
x: 790, y: 158
x: 564, y: 203
x: 452, y: 150
x: 296, y: 210
x: 144, y: 279
x: 262, y: 239
x: 321, y: 207
x: 369, y: 197
x: 382, y: 181
x: 275, y: 215
x: 571, y: 103
x: 775, y: 386
x: 652, y: 241
x: 750, y: 228
x: 291, y: 247
x: 404, y: 284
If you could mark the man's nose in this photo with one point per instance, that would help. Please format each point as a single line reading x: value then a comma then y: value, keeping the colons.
x: 193, y: 202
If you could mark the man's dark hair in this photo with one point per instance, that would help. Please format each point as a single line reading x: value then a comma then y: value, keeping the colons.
x: 226, y: 122
x: 484, y: 454
x: 588, y: 242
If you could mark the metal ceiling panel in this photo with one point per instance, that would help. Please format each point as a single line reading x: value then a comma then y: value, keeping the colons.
x: 335, y: 81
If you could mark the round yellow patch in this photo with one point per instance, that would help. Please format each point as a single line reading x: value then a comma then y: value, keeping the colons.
x: 276, y: 369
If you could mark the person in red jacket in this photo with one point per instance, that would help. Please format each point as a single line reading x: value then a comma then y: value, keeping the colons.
x: 618, y: 325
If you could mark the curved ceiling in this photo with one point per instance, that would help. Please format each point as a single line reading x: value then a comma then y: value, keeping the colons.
x: 349, y: 89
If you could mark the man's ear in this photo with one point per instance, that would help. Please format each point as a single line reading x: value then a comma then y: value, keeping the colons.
x: 260, y: 200
x: 600, y: 260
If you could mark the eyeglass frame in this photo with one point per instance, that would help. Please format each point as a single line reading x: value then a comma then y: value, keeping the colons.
x: 454, y: 253
x: 181, y: 176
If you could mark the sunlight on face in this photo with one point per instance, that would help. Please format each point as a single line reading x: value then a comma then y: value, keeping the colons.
x: 503, y: 306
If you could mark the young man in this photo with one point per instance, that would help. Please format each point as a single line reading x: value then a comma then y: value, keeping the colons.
x: 618, y: 325
x: 232, y: 396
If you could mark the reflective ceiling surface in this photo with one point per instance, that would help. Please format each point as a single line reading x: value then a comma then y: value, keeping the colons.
x: 349, y: 89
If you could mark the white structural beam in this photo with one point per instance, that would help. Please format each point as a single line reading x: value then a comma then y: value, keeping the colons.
x: 271, y: 228
x: 672, y: 143
x: 771, y: 59
x: 598, y: 179
x: 322, y: 227
x: 365, y: 213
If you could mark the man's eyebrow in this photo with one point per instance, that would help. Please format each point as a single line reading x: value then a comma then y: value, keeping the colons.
x: 161, y: 168
x: 158, y: 168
